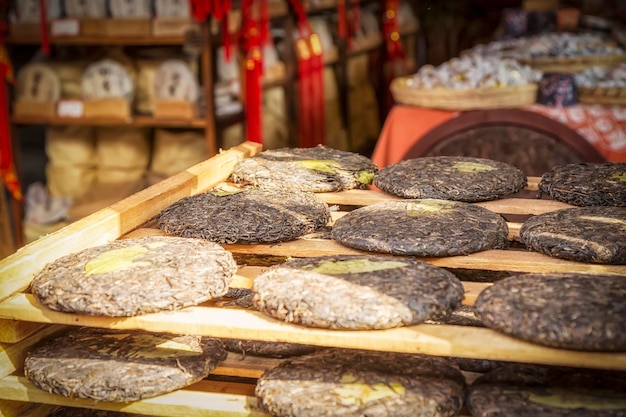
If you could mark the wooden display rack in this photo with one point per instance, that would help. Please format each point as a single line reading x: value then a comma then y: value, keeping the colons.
x: 133, y: 217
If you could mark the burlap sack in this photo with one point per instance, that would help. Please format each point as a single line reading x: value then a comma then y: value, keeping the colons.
x: 69, y: 180
x: 70, y: 145
x: 122, y: 147
x: 176, y: 150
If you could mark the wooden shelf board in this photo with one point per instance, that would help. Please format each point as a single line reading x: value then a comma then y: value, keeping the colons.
x: 99, y: 40
x: 145, y: 121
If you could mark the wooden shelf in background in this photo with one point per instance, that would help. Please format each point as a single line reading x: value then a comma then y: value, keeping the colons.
x: 98, y: 40
x: 142, y: 121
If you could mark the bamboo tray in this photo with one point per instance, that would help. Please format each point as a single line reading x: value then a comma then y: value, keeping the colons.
x: 609, y: 96
x: 133, y: 216
x: 463, y: 99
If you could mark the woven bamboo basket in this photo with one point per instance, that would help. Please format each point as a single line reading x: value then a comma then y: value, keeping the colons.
x: 611, y: 96
x: 573, y: 65
x: 463, y: 99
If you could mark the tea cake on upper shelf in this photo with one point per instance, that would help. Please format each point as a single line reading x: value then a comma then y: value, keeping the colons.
x: 422, y: 227
x: 121, y: 365
x: 458, y: 178
x: 587, y: 184
x: 135, y: 276
x: 245, y: 215
x: 584, y: 234
x: 357, y: 292
x: 353, y: 383
x: 568, y: 311
x: 314, y: 169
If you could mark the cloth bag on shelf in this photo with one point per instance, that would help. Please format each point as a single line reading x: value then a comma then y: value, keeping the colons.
x: 175, y: 150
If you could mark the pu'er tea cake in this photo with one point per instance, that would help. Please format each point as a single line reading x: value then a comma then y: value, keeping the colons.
x: 584, y: 234
x: 135, y: 276
x: 314, y: 169
x: 587, y: 184
x: 356, y: 292
x: 458, y: 178
x: 120, y: 366
x: 517, y: 390
x: 352, y: 383
x: 569, y: 311
x: 422, y: 227
x: 245, y: 215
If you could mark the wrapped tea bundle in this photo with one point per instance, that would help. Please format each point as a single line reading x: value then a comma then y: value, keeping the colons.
x: 174, y: 80
x: 316, y: 169
x: 568, y: 311
x: 38, y: 82
x: 135, y: 276
x: 121, y: 365
x: 245, y: 215
x: 69, y: 72
x: 107, y: 78
x: 583, y: 234
x: 136, y: 9
x: 122, y: 147
x: 357, y: 292
x: 422, y: 227
x: 518, y: 390
x: 85, y: 9
x: 355, y: 383
x: 587, y: 184
x: 29, y: 11
x: 175, y: 150
x: 456, y: 178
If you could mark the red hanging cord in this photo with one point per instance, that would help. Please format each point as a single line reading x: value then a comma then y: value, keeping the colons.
x: 45, y: 40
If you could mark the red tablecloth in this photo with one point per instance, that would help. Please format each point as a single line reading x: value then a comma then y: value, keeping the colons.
x: 603, y: 126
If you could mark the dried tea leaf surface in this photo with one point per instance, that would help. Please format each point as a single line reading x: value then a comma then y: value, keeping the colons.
x: 584, y: 234
x: 569, y: 311
x: 315, y: 169
x: 352, y: 383
x: 457, y: 178
x: 587, y: 184
x: 136, y: 276
x: 422, y: 227
x: 356, y: 292
x: 246, y: 215
x: 119, y: 365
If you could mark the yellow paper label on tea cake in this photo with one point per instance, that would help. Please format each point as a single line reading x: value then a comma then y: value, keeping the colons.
x: 354, y: 392
x: 620, y: 176
x: 365, y: 177
x: 322, y: 165
x: 472, y: 167
x: 428, y: 207
x: 116, y: 260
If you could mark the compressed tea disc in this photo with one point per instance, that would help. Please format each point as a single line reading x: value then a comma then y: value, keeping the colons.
x: 260, y: 347
x: 316, y: 169
x: 174, y: 80
x: 136, y: 276
x: 245, y: 215
x: 172, y: 9
x: 351, y: 383
x: 356, y: 292
x: 517, y: 390
x: 105, y: 79
x: 584, y: 234
x: 587, y: 184
x: 422, y: 227
x: 38, y: 82
x: 456, y: 178
x: 569, y: 311
x: 136, y: 9
x: 121, y: 365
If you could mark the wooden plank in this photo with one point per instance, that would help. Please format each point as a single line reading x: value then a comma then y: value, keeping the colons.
x: 106, y: 225
x: 17, y: 408
x: 12, y: 331
x: 238, y: 365
x: 446, y: 340
x: 12, y: 355
x: 204, y: 399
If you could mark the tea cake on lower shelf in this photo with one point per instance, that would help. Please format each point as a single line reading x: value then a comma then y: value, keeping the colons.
x: 422, y: 227
x: 245, y: 215
x: 587, y: 184
x: 314, y: 169
x: 89, y: 412
x: 358, y: 292
x: 583, y: 234
x: 569, y: 311
x: 120, y: 366
x: 458, y: 178
x: 518, y: 390
x: 353, y: 383
x: 136, y: 276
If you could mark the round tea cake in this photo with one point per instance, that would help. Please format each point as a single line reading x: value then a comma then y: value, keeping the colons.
x: 422, y: 227
x: 459, y: 178
x: 315, y: 169
x: 356, y: 292
x: 352, y: 383
x: 587, y: 184
x: 569, y: 311
x: 246, y: 215
x: 517, y: 390
x: 89, y: 412
x: 135, y: 276
x: 118, y: 365
x: 584, y: 234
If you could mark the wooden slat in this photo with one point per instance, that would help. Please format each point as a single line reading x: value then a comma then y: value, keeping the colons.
x: 446, y: 340
x: 245, y: 366
x: 12, y: 355
x: 106, y: 225
x: 204, y: 399
x: 20, y: 409
x: 12, y: 331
